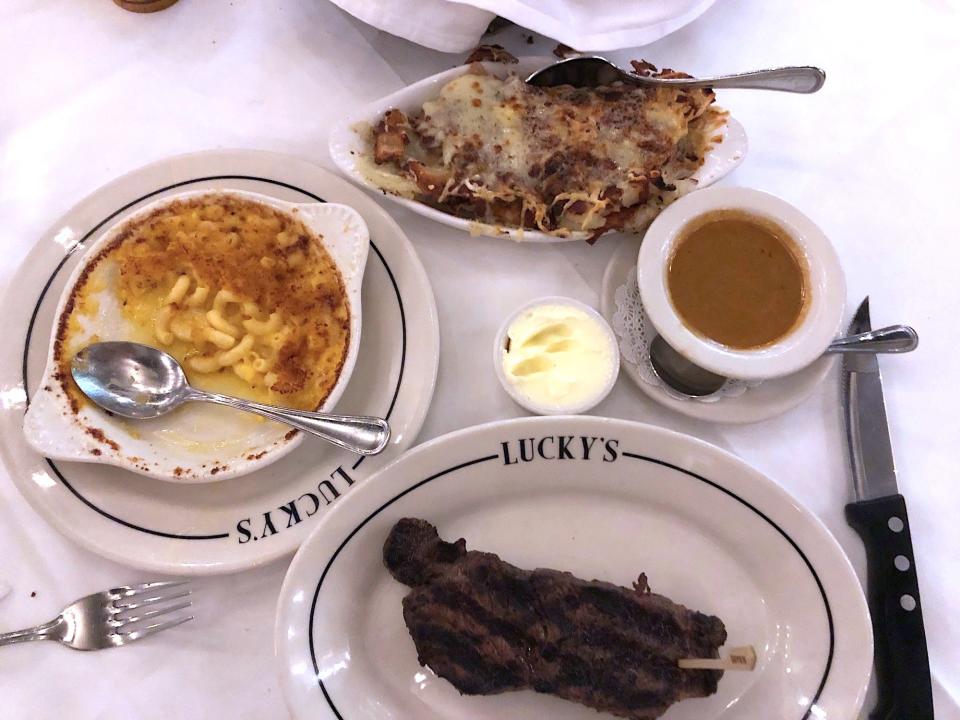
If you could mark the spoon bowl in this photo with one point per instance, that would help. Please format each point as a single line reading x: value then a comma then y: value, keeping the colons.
x: 591, y: 72
x: 130, y: 380
x: 141, y: 382
x: 680, y: 374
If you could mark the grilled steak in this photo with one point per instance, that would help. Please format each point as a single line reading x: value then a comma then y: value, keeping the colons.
x: 488, y: 626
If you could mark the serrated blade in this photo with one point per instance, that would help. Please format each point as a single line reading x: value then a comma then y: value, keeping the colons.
x: 868, y: 437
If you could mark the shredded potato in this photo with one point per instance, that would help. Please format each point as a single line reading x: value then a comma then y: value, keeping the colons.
x: 558, y: 160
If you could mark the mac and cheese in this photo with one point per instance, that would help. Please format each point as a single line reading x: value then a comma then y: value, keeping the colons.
x: 245, y: 296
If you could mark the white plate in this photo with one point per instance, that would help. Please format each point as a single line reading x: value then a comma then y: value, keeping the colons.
x: 200, y: 442
x: 347, y: 146
x: 710, y: 532
x: 218, y: 527
x: 769, y: 399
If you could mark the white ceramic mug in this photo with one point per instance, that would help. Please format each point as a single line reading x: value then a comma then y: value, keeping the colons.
x: 804, y: 343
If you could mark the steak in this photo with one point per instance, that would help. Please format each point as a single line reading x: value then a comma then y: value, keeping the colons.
x: 487, y: 627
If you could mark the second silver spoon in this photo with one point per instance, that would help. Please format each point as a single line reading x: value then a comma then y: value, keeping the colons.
x: 600, y: 72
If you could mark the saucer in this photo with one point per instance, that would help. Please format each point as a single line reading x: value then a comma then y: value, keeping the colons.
x: 761, y: 402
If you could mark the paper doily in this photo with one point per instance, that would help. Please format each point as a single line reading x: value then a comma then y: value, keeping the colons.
x: 635, y: 332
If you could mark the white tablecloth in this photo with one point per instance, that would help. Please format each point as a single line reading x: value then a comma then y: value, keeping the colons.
x: 88, y: 92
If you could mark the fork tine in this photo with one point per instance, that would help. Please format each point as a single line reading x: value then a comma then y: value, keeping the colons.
x: 123, y: 621
x: 131, y: 590
x: 147, y: 601
x: 151, y: 629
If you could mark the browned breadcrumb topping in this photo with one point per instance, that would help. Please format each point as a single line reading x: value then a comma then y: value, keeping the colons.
x: 229, y: 243
x: 98, y: 435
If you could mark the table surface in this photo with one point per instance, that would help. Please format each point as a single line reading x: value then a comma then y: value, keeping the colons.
x: 90, y: 92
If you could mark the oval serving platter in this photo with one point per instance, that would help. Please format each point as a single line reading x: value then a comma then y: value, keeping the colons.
x: 199, y: 442
x: 211, y: 528
x: 603, y: 499
x: 347, y: 146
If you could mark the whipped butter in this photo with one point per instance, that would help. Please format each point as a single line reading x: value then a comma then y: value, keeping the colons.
x: 558, y: 357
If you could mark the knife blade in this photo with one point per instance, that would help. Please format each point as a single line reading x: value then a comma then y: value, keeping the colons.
x: 879, y: 516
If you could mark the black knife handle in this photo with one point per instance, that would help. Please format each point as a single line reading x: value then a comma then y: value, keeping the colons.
x: 900, y: 644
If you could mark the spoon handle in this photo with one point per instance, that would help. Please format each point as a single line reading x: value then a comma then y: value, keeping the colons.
x: 891, y: 339
x: 804, y: 79
x: 361, y: 434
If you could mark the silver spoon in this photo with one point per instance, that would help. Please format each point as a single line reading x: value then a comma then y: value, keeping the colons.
x: 591, y: 72
x: 693, y: 381
x: 140, y: 382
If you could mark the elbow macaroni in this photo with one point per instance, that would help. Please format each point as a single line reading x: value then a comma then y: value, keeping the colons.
x: 229, y: 334
x: 162, y: 329
x: 245, y: 296
x: 179, y: 290
x: 199, y: 296
x: 258, y: 327
x: 219, y: 322
x: 235, y: 355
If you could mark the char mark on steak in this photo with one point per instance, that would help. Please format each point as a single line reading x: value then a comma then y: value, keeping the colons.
x: 488, y: 627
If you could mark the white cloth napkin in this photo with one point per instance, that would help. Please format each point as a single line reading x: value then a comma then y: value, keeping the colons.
x: 582, y: 24
x: 438, y: 24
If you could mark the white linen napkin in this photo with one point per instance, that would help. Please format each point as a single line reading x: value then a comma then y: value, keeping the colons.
x: 599, y: 24
x: 582, y: 24
x: 446, y: 26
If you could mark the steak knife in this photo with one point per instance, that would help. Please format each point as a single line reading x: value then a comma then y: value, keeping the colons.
x: 879, y: 516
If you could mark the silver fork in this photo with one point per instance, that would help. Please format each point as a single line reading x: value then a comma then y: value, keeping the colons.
x: 112, y: 617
